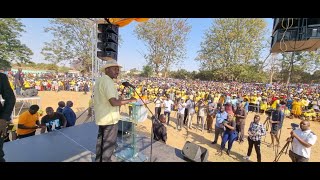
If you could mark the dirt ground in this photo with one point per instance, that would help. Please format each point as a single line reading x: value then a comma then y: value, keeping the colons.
x: 177, y: 138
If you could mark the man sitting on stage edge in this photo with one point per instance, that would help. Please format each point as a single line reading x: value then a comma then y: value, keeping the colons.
x: 52, y: 121
x: 28, y: 122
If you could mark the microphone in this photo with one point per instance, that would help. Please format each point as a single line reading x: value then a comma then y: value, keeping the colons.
x: 127, y: 84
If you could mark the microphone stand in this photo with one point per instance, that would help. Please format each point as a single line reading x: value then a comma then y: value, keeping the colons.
x: 151, y: 120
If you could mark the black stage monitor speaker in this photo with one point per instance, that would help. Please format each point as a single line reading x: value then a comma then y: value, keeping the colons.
x: 194, y: 152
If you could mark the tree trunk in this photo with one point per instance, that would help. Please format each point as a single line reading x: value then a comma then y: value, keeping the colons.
x: 290, y: 69
x: 271, y: 76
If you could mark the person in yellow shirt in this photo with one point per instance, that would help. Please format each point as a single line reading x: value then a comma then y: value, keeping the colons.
x: 263, y: 105
x: 274, y: 104
x: 305, y: 103
x: 287, y: 112
x: 11, y: 85
x: 296, y: 107
x: 27, y: 84
x: 106, y: 108
x: 28, y: 122
x: 144, y: 96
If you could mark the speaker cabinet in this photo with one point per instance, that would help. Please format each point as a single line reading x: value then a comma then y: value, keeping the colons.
x: 194, y: 152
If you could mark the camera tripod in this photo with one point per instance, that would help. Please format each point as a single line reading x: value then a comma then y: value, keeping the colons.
x: 284, y: 149
x: 267, y: 125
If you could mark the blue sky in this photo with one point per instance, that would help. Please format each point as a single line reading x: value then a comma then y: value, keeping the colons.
x: 131, y: 48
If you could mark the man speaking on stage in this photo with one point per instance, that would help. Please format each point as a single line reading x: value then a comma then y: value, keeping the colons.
x: 106, y: 107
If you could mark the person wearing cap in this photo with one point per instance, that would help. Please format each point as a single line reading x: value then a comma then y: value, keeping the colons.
x: 106, y: 107
x: 276, y: 122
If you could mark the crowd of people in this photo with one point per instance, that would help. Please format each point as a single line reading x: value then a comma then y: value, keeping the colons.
x: 296, y: 100
x: 198, y: 104
x: 29, y: 121
x: 48, y: 82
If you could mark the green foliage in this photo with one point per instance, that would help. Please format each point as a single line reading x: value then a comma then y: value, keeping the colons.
x: 63, y: 69
x: 72, y: 42
x: 244, y: 73
x: 165, y: 39
x: 180, y: 74
x: 43, y: 66
x: 147, y: 71
x: 232, y: 46
x: 133, y: 72
x: 205, y: 75
x: 53, y: 67
x: 4, y: 64
x: 304, y: 64
x: 11, y: 49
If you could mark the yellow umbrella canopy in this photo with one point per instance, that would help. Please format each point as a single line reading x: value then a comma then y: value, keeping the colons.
x: 121, y: 22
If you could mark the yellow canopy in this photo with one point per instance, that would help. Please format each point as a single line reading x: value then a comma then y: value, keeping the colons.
x: 121, y: 22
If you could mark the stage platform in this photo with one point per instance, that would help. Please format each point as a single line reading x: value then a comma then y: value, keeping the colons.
x: 77, y: 144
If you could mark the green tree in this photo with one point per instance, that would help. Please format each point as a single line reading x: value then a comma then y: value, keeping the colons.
x: 180, y: 74
x: 316, y: 76
x: 71, y: 42
x: 53, y: 67
x: 232, y: 42
x: 63, y: 69
x: 147, y: 71
x: 206, y: 75
x: 299, y: 66
x: 165, y: 39
x: 11, y: 49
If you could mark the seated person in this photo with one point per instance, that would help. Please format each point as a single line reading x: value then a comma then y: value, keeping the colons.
x: 61, y: 105
x: 159, y: 128
x: 52, y: 121
x: 28, y: 122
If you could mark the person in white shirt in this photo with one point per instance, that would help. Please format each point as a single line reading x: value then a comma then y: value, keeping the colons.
x: 168, y: 103
x: 158, y: 102
x: 201, y: 113
x: 302, y: 140
x: 180, y: 115
x: 191, y: 111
